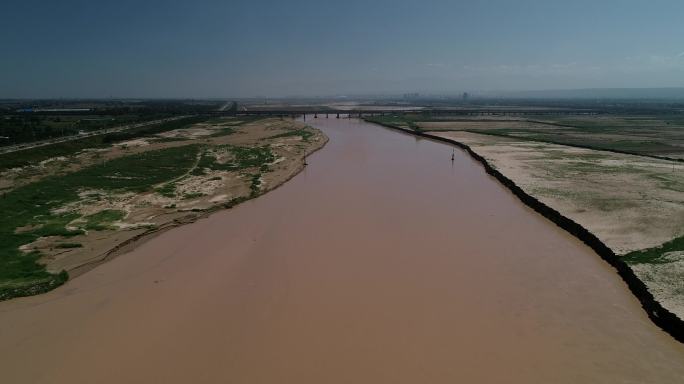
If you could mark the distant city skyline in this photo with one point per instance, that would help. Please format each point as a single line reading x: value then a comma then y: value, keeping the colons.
x: 215, y: 49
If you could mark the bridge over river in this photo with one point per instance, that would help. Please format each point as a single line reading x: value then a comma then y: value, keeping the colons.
x: 327, y: 112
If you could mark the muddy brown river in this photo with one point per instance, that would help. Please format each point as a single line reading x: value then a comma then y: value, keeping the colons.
x: 382, y: 262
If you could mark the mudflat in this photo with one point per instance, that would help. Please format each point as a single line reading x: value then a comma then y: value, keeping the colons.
x: 383, y: 261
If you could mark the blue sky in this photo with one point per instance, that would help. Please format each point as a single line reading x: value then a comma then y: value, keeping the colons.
x: 283, y: 48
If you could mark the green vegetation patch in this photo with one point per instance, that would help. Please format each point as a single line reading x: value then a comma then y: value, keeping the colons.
x: 655, y: 255
x: 647, y: 136
x: 406, y: 121
x: 33, y: 156
x: 669, y: 180
x: 69, y: 245
x: 138, y: 172
x: 170, y: 139
x: 248, y: 157
x: 192, y: 195
x: 103, y: 220
x: 167, y: 190
x: 255, y: 184
x: 254, y: 159
x: 305, y: 134
x: 224, y: 131
x: 243, y: 158
x: 54, y: 225
x: 25, y: 128
x: 29, y: 209
x: 655, y: 136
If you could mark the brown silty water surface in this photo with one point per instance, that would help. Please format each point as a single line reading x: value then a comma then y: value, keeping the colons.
x: 382, y: 262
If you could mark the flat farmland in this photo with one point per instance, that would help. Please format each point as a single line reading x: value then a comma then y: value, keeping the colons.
x: 657, y: 136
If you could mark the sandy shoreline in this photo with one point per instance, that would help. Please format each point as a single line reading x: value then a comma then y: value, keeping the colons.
x: 226, y: 162
x: 132, y: 243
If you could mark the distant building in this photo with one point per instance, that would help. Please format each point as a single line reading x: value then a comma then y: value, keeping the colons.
x: 413, y: 95
x: 465, y: 96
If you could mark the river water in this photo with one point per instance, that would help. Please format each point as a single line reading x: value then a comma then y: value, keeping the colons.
x: 382, y: 262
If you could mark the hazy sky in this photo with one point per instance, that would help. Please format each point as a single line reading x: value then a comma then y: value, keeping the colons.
x: 279, y: 48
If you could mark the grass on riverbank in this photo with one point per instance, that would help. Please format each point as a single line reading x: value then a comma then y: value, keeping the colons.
x: 28, y: 127
x: 29, y: 157
x: 655, y: 255
x: 243, y: 157
x: 251, y: 161
x: 303, y: 133
x: 103, y: 220
x: 54, y: 222
x: 28, y: 210
x: 653, y: 136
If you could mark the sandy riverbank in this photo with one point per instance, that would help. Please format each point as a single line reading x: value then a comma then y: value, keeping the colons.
x: 234, y: 161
